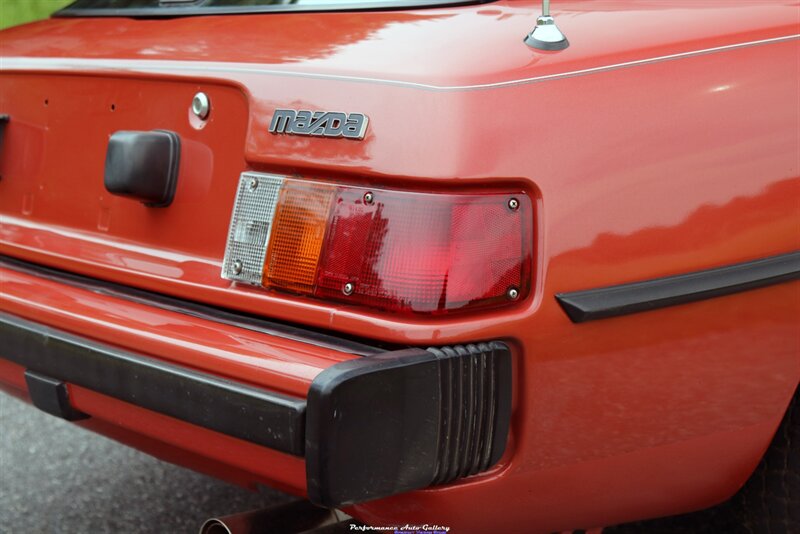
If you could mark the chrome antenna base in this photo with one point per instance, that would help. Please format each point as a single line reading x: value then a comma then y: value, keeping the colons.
x: 546, y: 35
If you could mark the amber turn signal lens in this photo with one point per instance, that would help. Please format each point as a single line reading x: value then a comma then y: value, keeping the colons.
x: 298, y: 232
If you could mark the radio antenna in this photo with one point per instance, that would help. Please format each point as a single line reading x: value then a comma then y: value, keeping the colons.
x: 546, y: 35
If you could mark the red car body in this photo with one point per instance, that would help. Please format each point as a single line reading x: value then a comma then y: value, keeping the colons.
x: 663, y: 141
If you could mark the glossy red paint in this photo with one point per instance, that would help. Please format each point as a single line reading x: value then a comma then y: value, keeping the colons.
x: 663, y: 140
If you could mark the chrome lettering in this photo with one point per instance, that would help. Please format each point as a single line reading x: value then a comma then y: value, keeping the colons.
x: 319, y: 123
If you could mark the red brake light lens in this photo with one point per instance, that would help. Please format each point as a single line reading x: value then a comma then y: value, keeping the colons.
x: 427, y: 253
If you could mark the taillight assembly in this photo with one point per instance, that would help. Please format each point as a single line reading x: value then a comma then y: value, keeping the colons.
x: 396, y: 251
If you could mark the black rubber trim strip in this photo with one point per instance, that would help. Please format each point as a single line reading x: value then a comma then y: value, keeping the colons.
x: 612, y: 301
x: 165, y: 10
x: 267, y: 418
x: 194, y: 309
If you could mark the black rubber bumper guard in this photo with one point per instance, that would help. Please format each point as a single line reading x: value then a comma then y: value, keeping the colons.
x: 371, y: 427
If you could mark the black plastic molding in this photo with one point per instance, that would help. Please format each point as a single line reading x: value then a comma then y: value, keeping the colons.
x: 51, y: 396
x: 143, y: 166
x: 612, y: 301
x: 221, y: 405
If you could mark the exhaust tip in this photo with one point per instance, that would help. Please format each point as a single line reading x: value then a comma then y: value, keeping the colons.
x: 215, y: 526
x: 289, y: 518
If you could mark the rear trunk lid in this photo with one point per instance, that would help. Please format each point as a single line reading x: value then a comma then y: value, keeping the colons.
x: 69, y: 84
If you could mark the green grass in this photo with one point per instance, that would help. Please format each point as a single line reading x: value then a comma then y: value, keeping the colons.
x: 13, y: 12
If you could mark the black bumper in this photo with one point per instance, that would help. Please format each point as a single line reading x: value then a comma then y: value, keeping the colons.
x: 371, y: 427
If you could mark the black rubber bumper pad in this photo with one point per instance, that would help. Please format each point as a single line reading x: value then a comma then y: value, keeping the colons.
x: 405, y: 420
